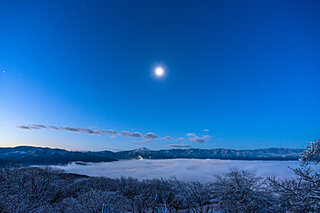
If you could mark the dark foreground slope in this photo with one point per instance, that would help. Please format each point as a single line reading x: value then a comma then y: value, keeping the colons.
x: 47, y: 156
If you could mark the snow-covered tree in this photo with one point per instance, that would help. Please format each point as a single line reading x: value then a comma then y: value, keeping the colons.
x: 311, y: 154
x: 303, y: 193
x: 241, y: 191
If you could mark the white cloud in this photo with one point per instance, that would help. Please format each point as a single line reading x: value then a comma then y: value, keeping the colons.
x: 180, y: 139
x: 197, y: 139
x: 151, y: 135
x: 167, y: 138
x: 177, y: 146
x: 191, y: 135
x: 131, y: 134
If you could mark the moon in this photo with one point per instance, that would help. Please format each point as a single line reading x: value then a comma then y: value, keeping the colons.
x: 159, y: 71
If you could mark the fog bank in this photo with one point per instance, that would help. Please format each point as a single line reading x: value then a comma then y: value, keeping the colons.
x: 183, y: 169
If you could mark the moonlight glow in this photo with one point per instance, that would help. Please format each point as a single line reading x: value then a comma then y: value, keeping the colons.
x: 159, y: 71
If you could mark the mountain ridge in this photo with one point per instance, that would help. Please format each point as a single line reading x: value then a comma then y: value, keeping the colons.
x: 28, y: 155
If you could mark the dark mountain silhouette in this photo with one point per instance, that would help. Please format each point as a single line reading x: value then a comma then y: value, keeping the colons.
x: 28, y: 155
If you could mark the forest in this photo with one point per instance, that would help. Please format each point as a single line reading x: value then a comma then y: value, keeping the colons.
x: 35, y: 189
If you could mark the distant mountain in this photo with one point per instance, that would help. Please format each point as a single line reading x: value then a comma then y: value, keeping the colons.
x: 28, y: 155
x: 46, y: 156
x: 231, y: 154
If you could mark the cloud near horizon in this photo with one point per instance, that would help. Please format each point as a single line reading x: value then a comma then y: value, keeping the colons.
x: 34, y: 126
x: 139, y: 142
x: 177, y: 146
x: 109, y: 131
x: 191, y: 137
x: 131, y: 134
x: 23, y: 127
x: 167, y: 138
x: 78, y: 130
x: 196, y: 139
x: 180, y: 139
x: 151, y: 135
x: 91, y: 131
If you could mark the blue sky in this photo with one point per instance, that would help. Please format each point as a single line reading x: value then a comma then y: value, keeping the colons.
x: 247, y: 71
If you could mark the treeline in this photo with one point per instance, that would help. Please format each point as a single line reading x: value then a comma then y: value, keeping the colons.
x: 51, y: 190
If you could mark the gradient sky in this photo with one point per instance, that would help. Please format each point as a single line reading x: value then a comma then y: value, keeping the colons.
x: 247, y: 71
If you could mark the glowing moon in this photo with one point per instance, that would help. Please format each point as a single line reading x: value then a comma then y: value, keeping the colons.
x: 159, y: 71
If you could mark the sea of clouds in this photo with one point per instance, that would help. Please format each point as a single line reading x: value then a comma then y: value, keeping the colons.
x: 183, y: 169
